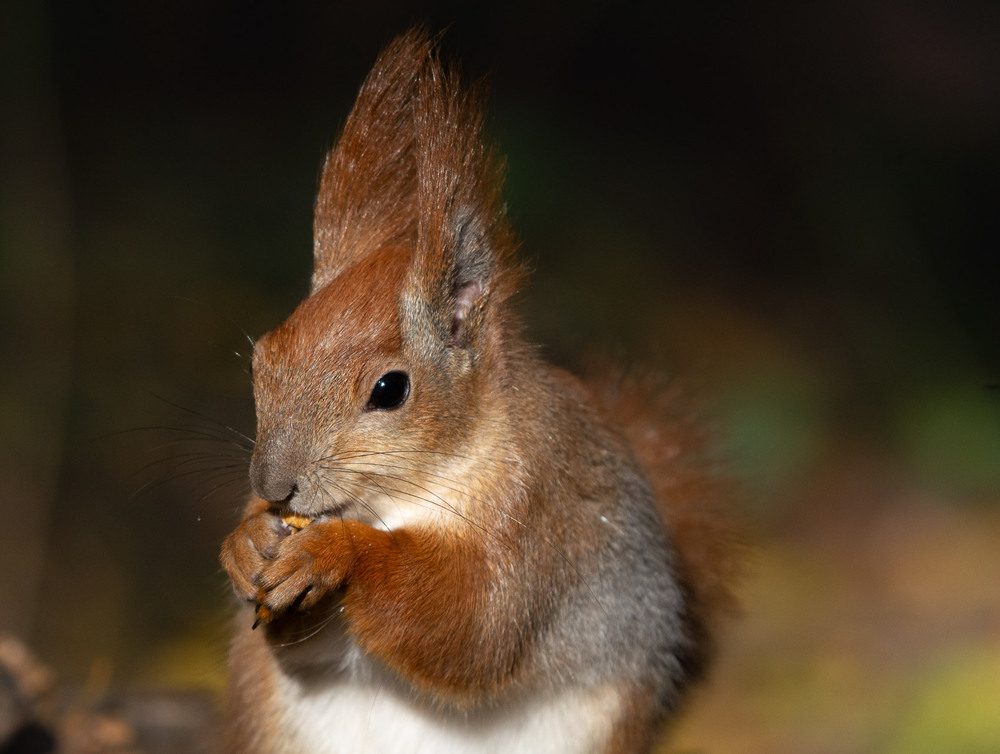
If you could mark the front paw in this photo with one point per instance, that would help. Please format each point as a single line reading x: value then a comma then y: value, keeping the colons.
x: 307, y: 566
x: 253, y: 544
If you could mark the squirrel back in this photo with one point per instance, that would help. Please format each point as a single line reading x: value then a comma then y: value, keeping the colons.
x: 452, y: 544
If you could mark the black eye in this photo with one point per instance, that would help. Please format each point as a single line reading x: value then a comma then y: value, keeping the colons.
x: 389, y: 392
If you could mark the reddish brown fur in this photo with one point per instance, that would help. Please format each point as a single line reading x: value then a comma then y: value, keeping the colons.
x: 411, y: 148
x: 527, y: 557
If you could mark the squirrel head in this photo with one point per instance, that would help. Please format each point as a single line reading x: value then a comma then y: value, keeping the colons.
x: 392, y: 356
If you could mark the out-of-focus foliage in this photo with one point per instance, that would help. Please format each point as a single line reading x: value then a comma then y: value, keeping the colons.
x: 793, y: 206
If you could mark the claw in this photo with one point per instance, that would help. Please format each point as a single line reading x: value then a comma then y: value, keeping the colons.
x: 264, y: 615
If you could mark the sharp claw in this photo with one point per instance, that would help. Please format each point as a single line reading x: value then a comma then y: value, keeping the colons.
x: 264, y: 615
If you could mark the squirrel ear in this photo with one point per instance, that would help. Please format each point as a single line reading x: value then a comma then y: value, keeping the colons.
x: 462, y: 260
x: 470, y: 272
x: 410, y: 169
x: 367, y: 191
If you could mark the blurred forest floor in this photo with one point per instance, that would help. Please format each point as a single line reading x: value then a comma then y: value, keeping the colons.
x: 871, y: 624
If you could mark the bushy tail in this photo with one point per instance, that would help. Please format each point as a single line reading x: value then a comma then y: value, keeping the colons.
x: 674, y: 449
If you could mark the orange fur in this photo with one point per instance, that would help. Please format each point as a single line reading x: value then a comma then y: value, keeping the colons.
x: 491, y: 544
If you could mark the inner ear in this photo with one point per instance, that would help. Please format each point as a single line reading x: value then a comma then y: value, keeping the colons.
x: 465, y: 296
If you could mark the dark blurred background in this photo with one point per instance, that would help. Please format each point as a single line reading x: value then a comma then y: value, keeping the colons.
x: 793, y: 206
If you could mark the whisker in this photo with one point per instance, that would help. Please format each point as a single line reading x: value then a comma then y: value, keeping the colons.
x: 356, y: 499
x: 205, y: 418
x: 494, y: 462
x: 440, y: 502
x: 308, y: 634
x: 341, y: 468
x: 235, y: 471
x: 187, y: 432
x: 186, y: 459
x: 457, y: 490
x: 341, y: 463
x: 221, y: 485
x: 430, y: 474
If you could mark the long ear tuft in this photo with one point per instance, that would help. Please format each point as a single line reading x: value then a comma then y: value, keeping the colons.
x: 367, y: 193
x: 411, y: 167
x: 463, y: 260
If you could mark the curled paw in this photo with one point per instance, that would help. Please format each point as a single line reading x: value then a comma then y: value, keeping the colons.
x: 247, y: 550
x: 307, y: 566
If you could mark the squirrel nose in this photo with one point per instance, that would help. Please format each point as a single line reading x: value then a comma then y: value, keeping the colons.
x: 272, y: 481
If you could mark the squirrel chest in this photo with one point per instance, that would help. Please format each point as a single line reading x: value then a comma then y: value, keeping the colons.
x: 362, y: 707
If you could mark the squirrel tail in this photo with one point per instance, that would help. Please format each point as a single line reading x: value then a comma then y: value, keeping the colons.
x: 674, y: 449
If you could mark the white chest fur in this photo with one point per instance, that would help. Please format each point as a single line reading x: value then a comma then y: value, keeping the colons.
x: 347, y: 715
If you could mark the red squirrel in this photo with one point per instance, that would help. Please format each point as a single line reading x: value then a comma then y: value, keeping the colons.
x: 452, y: 545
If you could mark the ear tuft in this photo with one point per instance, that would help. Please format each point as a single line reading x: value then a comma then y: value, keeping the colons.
x: 367, y: 193
x: 463, y: 258
x: 411, y: 170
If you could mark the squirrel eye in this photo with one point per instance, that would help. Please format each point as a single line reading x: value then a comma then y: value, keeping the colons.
x: 389, y: 392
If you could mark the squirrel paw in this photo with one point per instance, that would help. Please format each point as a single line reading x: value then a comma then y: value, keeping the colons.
x: 307, y: 566
x: 250, y: 547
